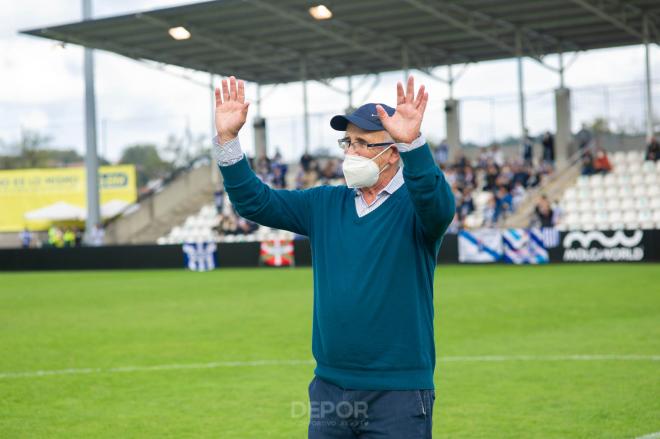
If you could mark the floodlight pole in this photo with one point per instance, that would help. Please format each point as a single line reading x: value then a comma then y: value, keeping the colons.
x: 521, y: 92
x: 561, y: 69
x: 350, y: 92
x: 562, y: 117
x: 215, y: 171
x: 303, y: 77
x: 405, y: 63
x: 649, y: 91
x: 91, y: 154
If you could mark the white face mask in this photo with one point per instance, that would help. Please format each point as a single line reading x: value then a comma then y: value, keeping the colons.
x: 360, y: 171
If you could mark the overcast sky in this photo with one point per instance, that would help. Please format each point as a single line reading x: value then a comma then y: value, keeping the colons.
x: 42, y: 89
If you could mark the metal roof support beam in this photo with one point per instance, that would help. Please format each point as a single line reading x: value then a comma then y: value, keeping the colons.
x: 303, y: 80
x: 649, y: 90
x: 232, y: 46
x: 360, y: 39
x: 468, y: 21
x: 304, y: 22
x: 618, y: 18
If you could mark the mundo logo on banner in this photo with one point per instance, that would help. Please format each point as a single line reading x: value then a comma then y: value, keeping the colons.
x: 596, y: 246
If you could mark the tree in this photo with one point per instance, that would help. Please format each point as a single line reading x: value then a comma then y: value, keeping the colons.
x: 147, y: 161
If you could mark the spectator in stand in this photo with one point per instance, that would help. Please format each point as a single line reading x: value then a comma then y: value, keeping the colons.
x: 469, y: 178
x: 587, y: 164
x: 602, y: 163
x: 583, y: 137
x: 55, y: 237
x: 517, y: 194
x: 278, y: 181
x: 69, y: 238
x: 491, y: 177
x: 503, y: 203
x: 441, y: 153
x: 97, y: 235
x: 548, y: 142
x: 279, y: 170
x: 653, y: 150
x: 544, y: 213
x: 25, y: 237
x: 263, y: 170
x: 219, y: 200
x: 466, y: 205
x: 490, y: 211
x: 497, y: 154
x: 527, y: 148
x: 79, y: 236
x: 308, y: 174
x: 520, y: 175
x: 329, y: 172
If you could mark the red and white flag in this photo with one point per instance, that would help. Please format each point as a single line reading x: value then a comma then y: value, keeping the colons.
x: 277, y: 252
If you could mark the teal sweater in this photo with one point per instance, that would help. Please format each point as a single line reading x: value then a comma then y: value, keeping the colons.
x: 373, y: 275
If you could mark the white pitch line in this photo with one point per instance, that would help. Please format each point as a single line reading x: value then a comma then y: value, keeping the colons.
x: 655, y: 435
x: 595, y: 357
x: 256, y: 363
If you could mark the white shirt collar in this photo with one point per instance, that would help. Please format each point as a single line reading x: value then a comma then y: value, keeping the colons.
x: 395, y: 183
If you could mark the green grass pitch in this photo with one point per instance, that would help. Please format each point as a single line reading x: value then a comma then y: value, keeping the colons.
x: 172, y: 325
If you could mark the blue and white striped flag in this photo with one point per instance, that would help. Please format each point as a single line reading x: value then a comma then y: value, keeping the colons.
x: 200, y: 256
x: 483, y: 245
x: 523, y: 246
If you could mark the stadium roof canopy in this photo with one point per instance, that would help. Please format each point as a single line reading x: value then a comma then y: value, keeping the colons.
x: 279, y: 41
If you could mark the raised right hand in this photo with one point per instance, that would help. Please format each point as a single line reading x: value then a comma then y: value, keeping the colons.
x: 230, y: 109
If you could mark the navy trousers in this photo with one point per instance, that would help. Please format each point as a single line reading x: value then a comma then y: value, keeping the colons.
x: 337, y: 413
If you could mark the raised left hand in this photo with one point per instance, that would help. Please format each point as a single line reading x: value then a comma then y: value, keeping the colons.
x: 405, y: 123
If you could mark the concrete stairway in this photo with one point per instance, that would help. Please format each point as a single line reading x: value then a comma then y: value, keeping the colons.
x: 553, y: 188
x: 156, y: 215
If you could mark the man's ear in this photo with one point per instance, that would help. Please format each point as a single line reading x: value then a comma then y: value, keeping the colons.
x: 395, y: 156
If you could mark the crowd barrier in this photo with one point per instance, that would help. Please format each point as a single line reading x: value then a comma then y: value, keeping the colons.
x: 519, y: 246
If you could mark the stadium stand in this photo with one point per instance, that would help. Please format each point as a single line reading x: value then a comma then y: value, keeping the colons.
x: 626, y: 198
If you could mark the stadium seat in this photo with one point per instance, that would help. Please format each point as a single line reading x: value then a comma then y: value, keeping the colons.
x: 584, y: 206
x: 609, y: 180
x: 651, y: 179
x: 570, y: 194
x: 627, y: 204
x: 618, y: 157
x: 645, y: 218
x: 648, y: 167
x: 582, y: 181
x: 584, y: 193
x: 573, y: 221
x: 612, y: 192
x: 653, y: 191
x: 623, y: 179
x: 613, y: 204
x: 634, y: 156
x: 637, y: 179
x: 601, y: 216
x: 642, y: 202
x: 630, y: 219
x: 654, y: 203
x: 596, y: 181
x: 639, y: 190
x: 625, y: 191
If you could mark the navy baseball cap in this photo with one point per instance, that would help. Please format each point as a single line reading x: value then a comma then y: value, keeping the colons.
x: 365, y: 117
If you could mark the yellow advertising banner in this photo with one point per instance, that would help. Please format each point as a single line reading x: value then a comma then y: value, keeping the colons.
x: 26, y: 190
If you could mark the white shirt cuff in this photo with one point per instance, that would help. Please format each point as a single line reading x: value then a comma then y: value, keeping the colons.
x: 405, y: 147
x: 228, y: 153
